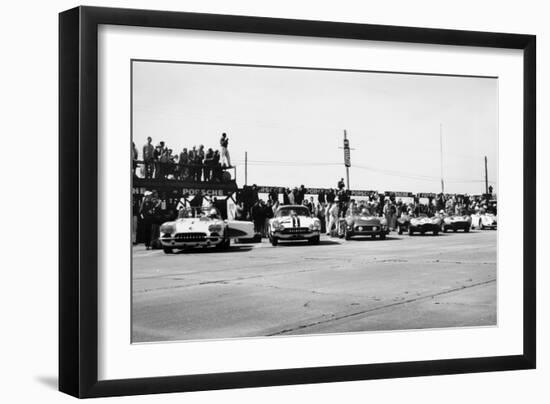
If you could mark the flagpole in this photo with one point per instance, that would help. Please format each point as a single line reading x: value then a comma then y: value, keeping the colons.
x: 441, y: 156
x: 347, y: 166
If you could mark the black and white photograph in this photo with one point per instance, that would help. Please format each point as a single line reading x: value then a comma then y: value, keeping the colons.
x: 273, y: 201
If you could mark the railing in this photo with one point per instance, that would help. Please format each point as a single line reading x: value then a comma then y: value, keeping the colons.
x: 184, y: 172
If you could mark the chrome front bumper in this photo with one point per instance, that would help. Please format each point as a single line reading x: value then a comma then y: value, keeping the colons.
x: 296, y: 236
x: 207, y: 241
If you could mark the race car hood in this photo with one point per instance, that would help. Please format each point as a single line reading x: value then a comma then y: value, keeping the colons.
x: 294, y: 221
x: 425, y: 220
x: 457, y: 219
x: 196, y: 224
x: 366, y: 220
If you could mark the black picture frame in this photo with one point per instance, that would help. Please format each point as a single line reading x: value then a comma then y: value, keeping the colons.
x: 78, y: 206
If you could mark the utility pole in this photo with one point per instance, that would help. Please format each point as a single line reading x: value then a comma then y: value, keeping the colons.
x: 486, y: 178
x: 347, y: 157
x: 245, y: 168
x: 441, y: 156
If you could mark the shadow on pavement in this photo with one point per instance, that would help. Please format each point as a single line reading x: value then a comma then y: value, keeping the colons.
x: 427, y: 234
x: 305, y: 243
x: 213, y: 250
x: 463, y: 232
x: 377, y: 239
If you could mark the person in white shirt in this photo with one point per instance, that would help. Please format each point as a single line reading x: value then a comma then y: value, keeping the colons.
x: 224, y: 152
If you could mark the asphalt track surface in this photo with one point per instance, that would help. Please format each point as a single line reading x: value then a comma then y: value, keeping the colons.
x: 252, y: 290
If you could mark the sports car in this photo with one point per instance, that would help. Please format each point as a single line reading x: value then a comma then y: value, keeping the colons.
x: 456, y: 222
x: 422, y: 224
x: 202, y: 227
x: 484, y: 221
x: 294, y: 222
x: 364, y: 224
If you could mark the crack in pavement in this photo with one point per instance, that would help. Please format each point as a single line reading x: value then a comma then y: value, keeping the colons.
x: 285, y: 288
x: 335, y: 317
x: 221, y: 281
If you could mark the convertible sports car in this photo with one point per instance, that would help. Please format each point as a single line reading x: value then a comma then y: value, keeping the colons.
x: 294, y: 222
x: 423, y: 224
x: 363, y: 224
x: 456, y: 222
x: 202, y: 227
x: 484, y: 221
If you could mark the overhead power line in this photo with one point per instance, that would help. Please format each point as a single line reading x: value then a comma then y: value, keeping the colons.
x: 392, y: 173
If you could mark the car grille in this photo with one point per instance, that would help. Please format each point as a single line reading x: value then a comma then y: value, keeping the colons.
x: 190, y: 237
x: 295, y: 230
x: 366, y: 228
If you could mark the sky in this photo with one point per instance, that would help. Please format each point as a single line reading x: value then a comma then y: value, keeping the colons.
x: 291, y: 122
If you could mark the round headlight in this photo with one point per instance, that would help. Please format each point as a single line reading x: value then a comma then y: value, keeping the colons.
x: 215, y: 228
x: 167, y: 228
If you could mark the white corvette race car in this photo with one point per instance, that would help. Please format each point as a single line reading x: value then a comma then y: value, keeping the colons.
x: 202, y: 227
x: 294, y: 222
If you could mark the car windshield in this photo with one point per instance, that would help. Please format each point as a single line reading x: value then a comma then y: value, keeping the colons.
x: 195, y: 212
x: 298, y: 210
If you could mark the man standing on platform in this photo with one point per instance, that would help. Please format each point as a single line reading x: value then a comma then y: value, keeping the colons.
x: 225, y: 160
x: 148, y: 156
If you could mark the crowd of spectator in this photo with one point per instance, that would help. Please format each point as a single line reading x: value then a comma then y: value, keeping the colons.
x: 251, y: 207
x: 196, y: 164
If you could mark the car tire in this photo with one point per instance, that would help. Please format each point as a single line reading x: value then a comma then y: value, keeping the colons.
x: 168, y: 250
x: 224, y: 245
x: 274, y: 241
x: 314, y: 240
